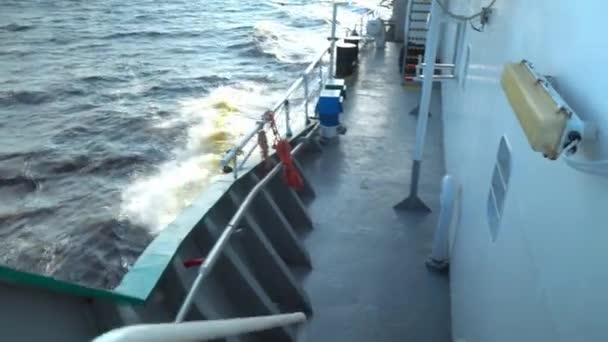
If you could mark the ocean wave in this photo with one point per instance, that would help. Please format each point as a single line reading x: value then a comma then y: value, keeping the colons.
x: 216, y: 121
x: 104, y: 164
x: 101, y: 252
x: 114, y: 163
x: 23, y: 156
x: 71, y: 165
x: 101, y: 78
x: 26, y: 97
x: 285, y: 43
x: 72, y: 92
x: 173, y: 89
x: 24, y: 214
x: 152, y: 34
x: 25, y: 182
x: 211, y: 79
x: 243, y: 45
x: 36, y: 97
x: 16, y: 53
x: 62, y: 40
x: 16, y: 27
x: 186, y: 85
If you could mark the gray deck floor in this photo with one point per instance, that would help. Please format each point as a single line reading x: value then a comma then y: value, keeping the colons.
x: 369, y: 281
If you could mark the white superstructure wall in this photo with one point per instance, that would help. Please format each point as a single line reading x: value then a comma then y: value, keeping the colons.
x: 544, y: 278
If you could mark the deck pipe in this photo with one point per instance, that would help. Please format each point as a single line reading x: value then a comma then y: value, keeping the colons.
x: 440, y: 254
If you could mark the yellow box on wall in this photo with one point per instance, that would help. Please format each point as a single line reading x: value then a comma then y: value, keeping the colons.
x: 542, y: 120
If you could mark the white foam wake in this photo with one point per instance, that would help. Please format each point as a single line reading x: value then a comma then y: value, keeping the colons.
x: 287, y: 44
x: 215, y: 122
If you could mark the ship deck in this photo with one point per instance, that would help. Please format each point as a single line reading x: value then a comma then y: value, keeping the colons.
x: 369, y: 281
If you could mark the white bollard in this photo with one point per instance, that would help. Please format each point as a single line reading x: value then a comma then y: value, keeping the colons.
x: 440, y: 254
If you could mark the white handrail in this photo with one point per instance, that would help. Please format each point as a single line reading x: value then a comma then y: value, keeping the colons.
x: 199, y: 330
x: 221, y: 242
x: 232, y: 154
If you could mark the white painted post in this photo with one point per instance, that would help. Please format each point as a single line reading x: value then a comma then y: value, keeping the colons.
x: 332, y: 52
x: 430, y: 55
x: 440, y: 254
x: 413, y: 202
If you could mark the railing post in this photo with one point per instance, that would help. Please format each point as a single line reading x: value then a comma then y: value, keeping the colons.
x: 332, y: 52
x: 288, y: 132
x: 306, y: 95
x: 235, y: 171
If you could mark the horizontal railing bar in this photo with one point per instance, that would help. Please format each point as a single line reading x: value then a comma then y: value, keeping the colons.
x: 440, y: 77
x: 200, y: 330
x: 215, y: 252
x: 436, y: 78
x: 298, y: 82
x: 248, y: 155
x: 437, y: 66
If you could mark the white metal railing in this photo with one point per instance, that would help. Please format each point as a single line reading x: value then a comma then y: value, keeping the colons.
x: 215, y: 252
x: 284, y: 104
x: 199, y: 330
x: 202, y: 330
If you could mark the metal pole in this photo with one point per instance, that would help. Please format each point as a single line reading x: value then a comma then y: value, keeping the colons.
x: 306, y: 95
x: 332, y: 51
x: 288, y: 132
x: 413, y: 202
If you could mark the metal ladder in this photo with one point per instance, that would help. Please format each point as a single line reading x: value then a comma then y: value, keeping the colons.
x: 416, y: 19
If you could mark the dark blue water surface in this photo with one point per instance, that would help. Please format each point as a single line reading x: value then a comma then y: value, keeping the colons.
x: 113, y: 115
